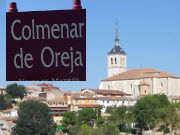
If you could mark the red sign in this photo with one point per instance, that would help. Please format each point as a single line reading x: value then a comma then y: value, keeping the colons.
x: 47, y: 45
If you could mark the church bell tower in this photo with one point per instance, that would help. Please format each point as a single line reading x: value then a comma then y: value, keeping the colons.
x: 117, y: 61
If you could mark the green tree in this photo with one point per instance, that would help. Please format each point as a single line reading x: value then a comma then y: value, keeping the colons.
x: 110, y: 109
x: 69, y: 121
x: 16, y: 91
x: 172, y: 117
x: 85, y: 130
x: 123, y: 117
x: 86, y: 116
x: 5, y: 102
x: 22, y: 91
x: 34, y: 119
x: 100, y: 122
x: 110, y: 129
x: 147, y: 110
x: 99, y: 112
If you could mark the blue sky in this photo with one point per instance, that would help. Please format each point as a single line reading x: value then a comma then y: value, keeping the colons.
x: 149, y: 32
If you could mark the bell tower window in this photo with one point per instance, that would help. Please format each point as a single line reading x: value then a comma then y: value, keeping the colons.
x: 115, y: 61
x: 111, y: 60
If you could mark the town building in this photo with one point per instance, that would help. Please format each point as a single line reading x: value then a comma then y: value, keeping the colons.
x: 8, y: 119
x: 57, y: 106
x: 137, y: 82
x: 105, y: 102
x: 10, y: 113
x: 107, y: 98
x: 2, y: 90
x: 81, y: 100
x: 103, y: 93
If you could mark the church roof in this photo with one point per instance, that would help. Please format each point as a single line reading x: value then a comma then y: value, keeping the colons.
x: 117, y: 50
x: 139, y: 74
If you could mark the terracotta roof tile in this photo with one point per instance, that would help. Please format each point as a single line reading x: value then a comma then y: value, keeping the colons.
x: 9, y: 118
x: 144, y: 84
x: 139, y: 74
x: 31, y: 89
x: 9, y: 110
x: 116, y: 98
x: 2, y: 88
x: 56, y: 99
x: 107, y: 92
x: 35, y: 98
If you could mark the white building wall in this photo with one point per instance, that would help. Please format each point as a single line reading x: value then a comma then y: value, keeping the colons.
x: 168, y: 86
x: 33, y: 94
x: 14, y: 113
x: 106, y: 103
x: 117, y: 103
x: 162, y: 86
x: 116, y: 64
x: 127, y: 86
x: 174, y: 86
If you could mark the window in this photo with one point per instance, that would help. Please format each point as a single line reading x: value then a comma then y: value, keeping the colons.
x: 115, y: 61
x: 161, y: 85
x: 76, y: 101
x: 131, y: 86
x: 123, y: 102
x: 1, y: 124
x: 43, y: 89
x: 144, y: 91
x: 111, y: 60
x: 94, y: 101
x: 88, y: 101
x: 107, y: 101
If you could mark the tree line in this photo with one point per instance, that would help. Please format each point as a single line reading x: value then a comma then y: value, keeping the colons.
x: 13, y: 91
x: 153, y: 112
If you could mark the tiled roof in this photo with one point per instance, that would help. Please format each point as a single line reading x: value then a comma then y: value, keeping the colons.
x: 107, y: 92
x: 139, y: 74
x: 116, y: 98
x: 45, y: 85
x: 9, y: 118
x: 117, y: 50
x: 56, y: 100
x: 9, y: 110
x: 2, y: 88
x: 31, y: 89
x: 144, y: 84
x: 110, y: 92
x: 35, y: 98
x: 83, y: 96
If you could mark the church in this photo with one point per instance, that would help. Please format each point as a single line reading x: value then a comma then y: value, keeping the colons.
x: 137, y: 82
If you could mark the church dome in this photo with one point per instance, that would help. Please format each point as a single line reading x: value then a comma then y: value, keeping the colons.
x: 117, y: 50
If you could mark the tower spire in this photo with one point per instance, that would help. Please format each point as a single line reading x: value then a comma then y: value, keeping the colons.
x: 117, y: 38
